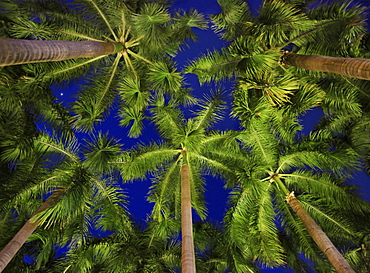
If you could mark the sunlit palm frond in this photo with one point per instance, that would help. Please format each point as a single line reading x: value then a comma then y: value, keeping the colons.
x: 330, y: 220
x: 342, y: 35
x: 326, y: 186
x: 230, y: 21
x: 318, y: 160
x: 209, y: 111
x: 340, y: 98
x: 183, y: 22
x: 98, y: 152
x: 165, y: 78
x: 145, y: 159
x: 150, y: 25
x: 110, y: 202
x: 96, y: 99
x: 214, y: 66
x: 132, y: 117
x: 278, y: 22
x: 67, y: 151
x: 197, y: 183
x: 168, y: 119
x: 263, y: 143
x: 165, y: 187
x: 252, y: 214
x: 73, y: 202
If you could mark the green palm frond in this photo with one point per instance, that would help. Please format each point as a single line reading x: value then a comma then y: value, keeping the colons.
x: 25, y: 28
x: 165, y: 186
x: 133, y: 92
x: 318, y: 161
x: 330, y: 221
x: 230, y: 22
x: 150, y: 25
x: 253, y: 214
x: 183, y: 22
x: 253, y: 53
x: 96, y: 99
x: 69, y: 150
x: 346, y: 27
x: 262, y: 142
x: 277, y: 89
x: 344, y: 102
x: 307, y: 96
x: 145, y: 159
x: 209, y: 111
x: 98, y: 152
x: 165, y: 78
x: 36, y: 180
x: 59, y: 72
x: 214, y: 66
x: 277, y: 23
x: 75, y: 200
x: 168, y: 119
x: 197, y: 183
x: 134, y: 118
x: 111, y: 203
x: 326, y: 186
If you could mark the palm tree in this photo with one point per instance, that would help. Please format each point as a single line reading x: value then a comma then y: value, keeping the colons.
x: 274, y: 160
x: 147, y: 35
x: 350, y: 67
x: 76, y: 185
x: 178, y: 164
x: 256, y: 42
x: 17, y: 51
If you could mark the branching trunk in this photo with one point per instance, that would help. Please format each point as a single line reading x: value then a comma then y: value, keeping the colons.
x: 188, y: 256
x: 16, y: 51
x: 351, y: 67
x: 9, y: 251
x: 320, y: 238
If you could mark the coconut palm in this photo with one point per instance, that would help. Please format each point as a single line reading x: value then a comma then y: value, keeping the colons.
x: 148, y: 36
x: 278, y: 169
x: 178, y: 164
x: 76, y: 185
x: 256, y: 42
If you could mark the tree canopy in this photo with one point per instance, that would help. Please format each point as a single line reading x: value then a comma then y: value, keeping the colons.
x: 67, y: 183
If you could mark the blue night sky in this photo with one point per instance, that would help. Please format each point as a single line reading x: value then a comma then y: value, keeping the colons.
x: 216, y: 195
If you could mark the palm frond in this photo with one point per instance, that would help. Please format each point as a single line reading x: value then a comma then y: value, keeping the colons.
x: 98, y: 152
x: 97, y: 98
x: 145, y: 159
x: 230, y: 21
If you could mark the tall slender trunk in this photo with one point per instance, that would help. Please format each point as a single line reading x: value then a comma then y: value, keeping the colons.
x: 319, y: 236
x: 17, y: 51
x: 351, y: 67
x: 187, y: 255
x: 9, y: 251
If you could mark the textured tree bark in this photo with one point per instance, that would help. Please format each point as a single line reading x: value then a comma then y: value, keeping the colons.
x: 351, y: 67
x: 9, y: 251
x: 320, y: 238
x: 17, y: 51
x: 187, y: 255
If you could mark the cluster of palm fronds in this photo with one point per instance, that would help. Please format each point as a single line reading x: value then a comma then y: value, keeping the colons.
x: 68, y: 190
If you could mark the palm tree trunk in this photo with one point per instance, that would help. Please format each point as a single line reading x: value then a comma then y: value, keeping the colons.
x: 319, y: 236
x: 17, y: 51
x: 351, y: 67
x: 9, y: 251
x: 187, y: 255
